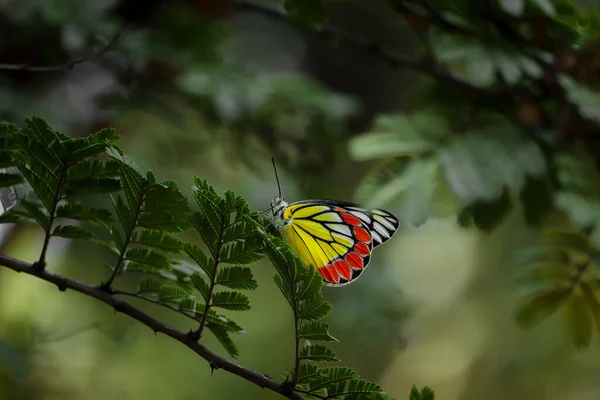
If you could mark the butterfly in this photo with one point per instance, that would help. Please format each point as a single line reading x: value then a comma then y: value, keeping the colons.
x: 335, y: 237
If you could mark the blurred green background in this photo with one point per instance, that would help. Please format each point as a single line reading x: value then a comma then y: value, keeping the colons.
x: 213, y: 89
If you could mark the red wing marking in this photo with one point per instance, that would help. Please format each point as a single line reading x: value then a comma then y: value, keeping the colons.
x: 354, y: 260
x: 326, y: 275
x: 343, y: 269
x: 362, y: 234
x: 334, y: 275
x: 362, y: 249
x: 350, y: 219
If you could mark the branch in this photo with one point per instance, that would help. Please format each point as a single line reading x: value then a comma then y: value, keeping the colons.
x: 216, y: 361
x: 426, y: 65
x: 67, y: 65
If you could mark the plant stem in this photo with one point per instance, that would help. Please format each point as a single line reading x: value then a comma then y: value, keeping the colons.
x: 195, y: 335
x: 41, y: 264
x: 106, y: 285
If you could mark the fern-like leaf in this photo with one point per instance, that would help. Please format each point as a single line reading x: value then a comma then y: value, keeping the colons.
x: 46, y: 159
x: 221, y: 223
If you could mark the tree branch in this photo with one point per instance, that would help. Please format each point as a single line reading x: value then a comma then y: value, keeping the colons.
x: 426, y: 65
x: 67, y: 65
x: 63, y: 283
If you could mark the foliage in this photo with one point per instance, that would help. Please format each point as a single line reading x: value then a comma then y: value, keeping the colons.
x: 510, y: 122
x: 560, y: 274
x: 143, y: 238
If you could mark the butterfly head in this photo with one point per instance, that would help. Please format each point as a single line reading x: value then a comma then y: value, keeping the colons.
x: 278, y: 206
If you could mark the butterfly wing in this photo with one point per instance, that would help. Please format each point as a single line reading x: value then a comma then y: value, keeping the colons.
x: 337, y: 237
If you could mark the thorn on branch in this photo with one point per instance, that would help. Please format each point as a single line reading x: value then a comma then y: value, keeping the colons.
x: 193, y: 336
x: 213, y: 365
x: 62, y: 286
x: 118, y: 307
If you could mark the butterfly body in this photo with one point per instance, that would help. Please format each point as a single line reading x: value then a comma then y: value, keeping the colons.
x: 334, y: 237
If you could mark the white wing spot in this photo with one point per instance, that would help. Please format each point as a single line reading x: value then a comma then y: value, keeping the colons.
x: 343, y: 229
x: 362, y: 216
x: 386, y: 222
x: 376, y: 237
x: 381, y: 229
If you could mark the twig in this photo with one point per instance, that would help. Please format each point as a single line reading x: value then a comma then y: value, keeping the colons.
x: 64, y: 283
x: 67, y: 65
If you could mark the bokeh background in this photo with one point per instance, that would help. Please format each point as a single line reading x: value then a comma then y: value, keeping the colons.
x: 213, y: 89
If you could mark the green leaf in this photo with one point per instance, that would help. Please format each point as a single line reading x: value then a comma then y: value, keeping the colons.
x: 42, y: 184
x: 210, y: 221
x: 586, y: 100
x: 308, y: 373
x: 200, y: 284
x: 313, y: 309
x: 39, y: 130
x: 83, y: 212
x: 223, y: 337
x: 578, y: 320
x: 316, y: 331
x: 425, y: 394
x: 311, y: 12
x: 236, y: 278
x: 591, y: 296
x: 123, y: 214
x: 537, y: 307
x: 149, y: 285
x: 508, y: 65
x: 513, y: 7
x: 89, y: 146
x: 224, y: 322
x: 332, y: 375
x: 479, y: 165
x: 480, y: 68
x: 165, y: 208
x: 171, y: 293
x: 93, y: 176
x: 35, y: 211
x: 486, y: 215
x: 196, y: 254
x: 400, y: 135
x: 15, y: 216
x: 546, y: 6
x: 241, y: 252
x: 162, y: 241
x: 8, y: 179
x: 318, y: 353
x: 357, y: 388
x: 147, y: 257
x: 419, y: 181
x: 72, y: 232
x: 571, y: 240
x: 234, y: 301
x: 93, y: 169
x: 285, y: 289
x: 91, y: 185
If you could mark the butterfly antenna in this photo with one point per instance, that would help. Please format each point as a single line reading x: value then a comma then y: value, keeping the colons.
x: 276, y: 176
